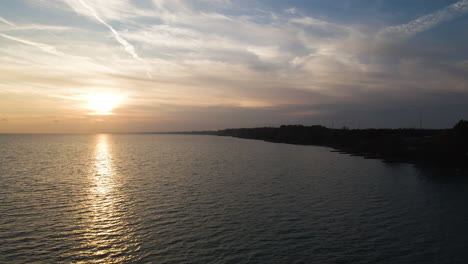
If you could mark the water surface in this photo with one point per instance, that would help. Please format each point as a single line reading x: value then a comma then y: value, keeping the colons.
x: 207, y: 199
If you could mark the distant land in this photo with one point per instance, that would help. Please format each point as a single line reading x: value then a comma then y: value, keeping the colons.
x: 435, y: 146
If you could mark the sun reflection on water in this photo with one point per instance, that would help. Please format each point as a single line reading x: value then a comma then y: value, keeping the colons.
x: 104, y: 172
x: 108, y: 237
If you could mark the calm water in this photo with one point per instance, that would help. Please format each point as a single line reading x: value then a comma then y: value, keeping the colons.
x: 205, y: 199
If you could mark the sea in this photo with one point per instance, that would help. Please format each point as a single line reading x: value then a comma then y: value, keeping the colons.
x: 148, y: 198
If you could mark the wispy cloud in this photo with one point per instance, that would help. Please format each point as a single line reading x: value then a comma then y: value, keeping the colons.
x: 7, y: 22
x: 426, y: 22
x: 224, y: 60
x: 37, y: 27
x: 127, y: 46
x: 44, y: 47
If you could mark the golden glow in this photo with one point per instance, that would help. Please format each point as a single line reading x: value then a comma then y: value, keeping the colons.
x: 103, y: 163
x: 103, y: 104
x: 108, y: 236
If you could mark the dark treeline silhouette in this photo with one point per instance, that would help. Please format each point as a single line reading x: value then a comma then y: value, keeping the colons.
x: 416, y: 145
x: 214, y: 133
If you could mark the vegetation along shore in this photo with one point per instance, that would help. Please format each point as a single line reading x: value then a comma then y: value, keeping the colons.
x: 436, y: 146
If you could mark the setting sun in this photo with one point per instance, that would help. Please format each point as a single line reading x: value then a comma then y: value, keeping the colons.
x: 103, y: 104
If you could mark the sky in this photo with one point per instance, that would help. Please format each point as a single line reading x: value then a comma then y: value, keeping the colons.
x: 85, y: 66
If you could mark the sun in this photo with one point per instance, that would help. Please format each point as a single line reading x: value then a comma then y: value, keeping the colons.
x: 103, y: 104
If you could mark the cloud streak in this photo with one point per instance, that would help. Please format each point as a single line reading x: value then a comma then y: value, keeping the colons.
x: 37, y: 27
x: 129, y: 48
x: 221, y: 64
x: 44, y: 47
x: 426, y: 22
x: 7, y: 22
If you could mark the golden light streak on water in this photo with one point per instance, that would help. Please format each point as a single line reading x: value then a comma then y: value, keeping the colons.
x: 109, y: 237
x: 104, y: 173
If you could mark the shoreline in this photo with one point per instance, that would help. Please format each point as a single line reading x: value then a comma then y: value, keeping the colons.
x: 446, y: 147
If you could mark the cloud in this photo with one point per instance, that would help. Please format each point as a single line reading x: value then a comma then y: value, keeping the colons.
x: 426, y: 22
x: 28, y: 27
x: 292, y: 10
x: 117, y: 10
x: 311, y: 21
x: 44, y: 47
x: 229, y: 65
x: 127, y: 46
x: 25, y: 27
x: 7, y: 22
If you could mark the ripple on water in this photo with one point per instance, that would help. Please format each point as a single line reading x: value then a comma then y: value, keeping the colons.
x: 203, y: 199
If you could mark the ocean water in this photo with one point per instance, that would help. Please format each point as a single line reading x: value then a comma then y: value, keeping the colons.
x: 206, y: 199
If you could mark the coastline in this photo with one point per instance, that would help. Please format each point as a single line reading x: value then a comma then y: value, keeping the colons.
x: 448, y: 147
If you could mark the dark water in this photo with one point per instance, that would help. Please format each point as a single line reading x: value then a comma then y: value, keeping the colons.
x: 204, y: 199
